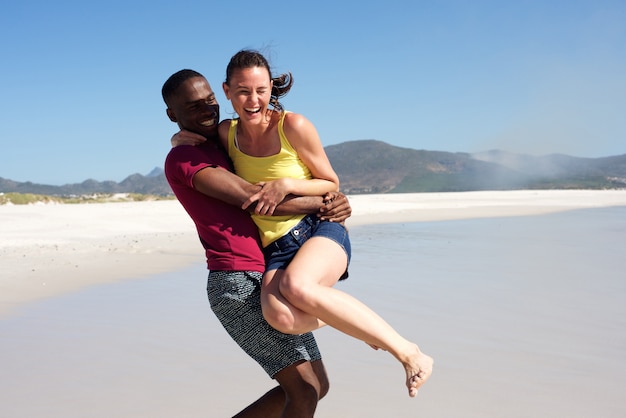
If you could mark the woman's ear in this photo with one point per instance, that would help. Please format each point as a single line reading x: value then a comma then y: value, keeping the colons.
x: 225, y: 88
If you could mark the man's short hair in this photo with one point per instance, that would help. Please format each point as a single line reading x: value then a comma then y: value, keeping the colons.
x: 173, y: 83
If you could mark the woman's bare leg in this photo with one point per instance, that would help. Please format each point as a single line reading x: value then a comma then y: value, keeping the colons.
x: 307, y: 285
x: 280, y: 313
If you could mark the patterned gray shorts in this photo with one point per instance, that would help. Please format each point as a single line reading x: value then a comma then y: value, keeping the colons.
x: 235, y: 298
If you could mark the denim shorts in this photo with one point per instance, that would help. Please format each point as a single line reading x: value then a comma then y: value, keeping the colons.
x: 279, y: 253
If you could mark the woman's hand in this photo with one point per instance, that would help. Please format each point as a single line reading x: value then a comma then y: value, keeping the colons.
x: 184, y: 137
x: 271, y: 194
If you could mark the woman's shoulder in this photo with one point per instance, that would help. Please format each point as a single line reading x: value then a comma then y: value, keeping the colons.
x: 295, y: 121
x: 225, y: 124
x: 222, y: 130
x: 299, y: 130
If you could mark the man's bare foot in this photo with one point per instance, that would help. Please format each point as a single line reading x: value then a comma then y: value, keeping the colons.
x: 418, y: 367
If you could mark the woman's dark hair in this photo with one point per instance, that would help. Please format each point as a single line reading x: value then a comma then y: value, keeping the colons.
x: 247, y: 58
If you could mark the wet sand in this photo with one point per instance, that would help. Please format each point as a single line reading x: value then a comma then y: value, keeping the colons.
x: 521, y: 309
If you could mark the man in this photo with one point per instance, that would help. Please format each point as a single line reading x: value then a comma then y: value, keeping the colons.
x: 212, y: 195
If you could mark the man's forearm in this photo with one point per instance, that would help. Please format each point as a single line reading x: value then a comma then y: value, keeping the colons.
x: 227, y: 187
x: 295, y: 205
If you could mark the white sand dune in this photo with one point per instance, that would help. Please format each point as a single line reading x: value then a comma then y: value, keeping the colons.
x: 47, y: 250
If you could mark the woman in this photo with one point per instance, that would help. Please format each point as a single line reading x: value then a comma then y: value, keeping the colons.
x: 305, y: 257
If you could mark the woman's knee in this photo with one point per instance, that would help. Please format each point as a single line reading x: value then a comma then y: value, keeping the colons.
x: 295, y: 289
x: 281, y: 320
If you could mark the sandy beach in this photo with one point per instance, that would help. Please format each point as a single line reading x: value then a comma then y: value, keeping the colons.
x: 48, y: 250
x: 518, y: 295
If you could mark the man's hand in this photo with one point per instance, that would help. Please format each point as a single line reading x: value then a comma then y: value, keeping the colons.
x: 336, y: 208
x: 184, y: 137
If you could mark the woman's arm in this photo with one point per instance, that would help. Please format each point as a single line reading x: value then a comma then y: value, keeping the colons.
x: 305, y: 140
x: 221, y: 184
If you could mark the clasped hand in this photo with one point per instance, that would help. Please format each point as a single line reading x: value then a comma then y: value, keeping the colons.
x: 271, y: 194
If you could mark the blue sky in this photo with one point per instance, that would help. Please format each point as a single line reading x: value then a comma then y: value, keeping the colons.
x: 81, y: 81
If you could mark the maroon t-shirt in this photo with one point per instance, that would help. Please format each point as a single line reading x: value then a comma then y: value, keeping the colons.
x: 227, y: 233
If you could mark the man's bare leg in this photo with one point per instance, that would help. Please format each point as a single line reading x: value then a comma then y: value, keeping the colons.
x: 269, y: 405
x: 301, y: 386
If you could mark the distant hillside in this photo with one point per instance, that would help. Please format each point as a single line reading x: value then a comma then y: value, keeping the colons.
x: 135, y: 183
x: 370, y: 166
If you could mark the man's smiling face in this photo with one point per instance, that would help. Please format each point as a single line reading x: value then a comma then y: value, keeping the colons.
x: 195, y: 108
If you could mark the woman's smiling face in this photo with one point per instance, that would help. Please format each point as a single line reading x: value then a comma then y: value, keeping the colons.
x: 249, y: 92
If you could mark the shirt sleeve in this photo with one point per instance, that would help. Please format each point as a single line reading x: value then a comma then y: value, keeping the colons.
x: 183, y: 162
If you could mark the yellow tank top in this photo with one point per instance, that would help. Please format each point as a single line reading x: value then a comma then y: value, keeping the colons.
x: 255, y: 169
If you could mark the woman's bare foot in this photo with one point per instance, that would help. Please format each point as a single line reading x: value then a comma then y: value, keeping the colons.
x: 418, y: 367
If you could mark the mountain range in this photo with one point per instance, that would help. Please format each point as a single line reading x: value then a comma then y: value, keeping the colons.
x: 370, y: 166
